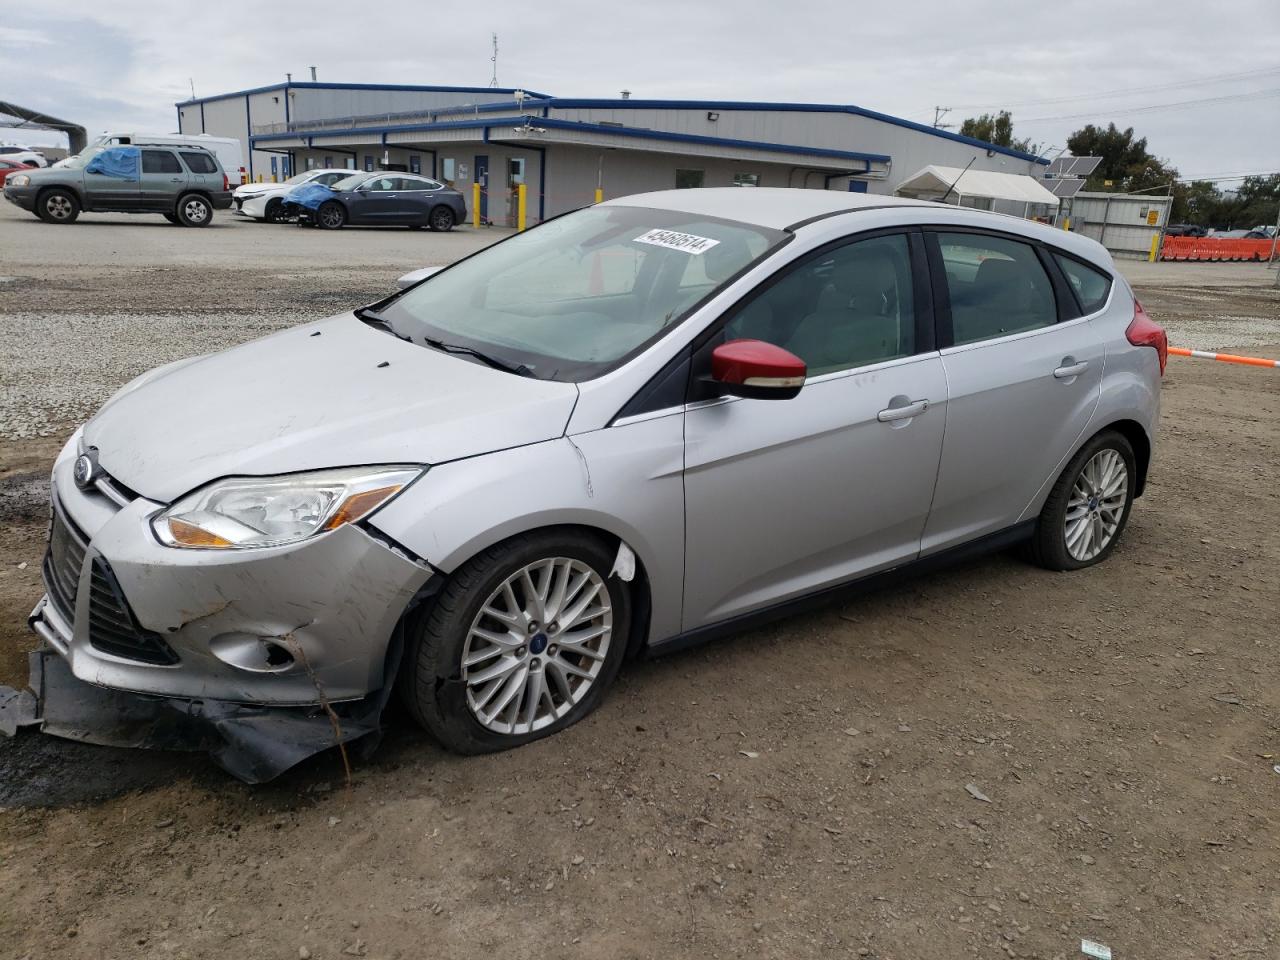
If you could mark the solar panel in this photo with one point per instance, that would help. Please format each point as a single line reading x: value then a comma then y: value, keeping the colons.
x: 1064, y: 189
x: 1073, y: 166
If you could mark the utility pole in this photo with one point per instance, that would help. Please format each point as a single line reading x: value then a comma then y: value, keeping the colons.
x: 938, y: 114
x: 493, y: 81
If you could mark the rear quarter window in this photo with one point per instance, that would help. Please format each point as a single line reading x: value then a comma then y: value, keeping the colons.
x: 199, y: 162
x: 1091, y: 287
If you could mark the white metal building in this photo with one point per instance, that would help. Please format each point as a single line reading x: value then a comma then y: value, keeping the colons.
x: 564, y: 149
x: 1124, y: 223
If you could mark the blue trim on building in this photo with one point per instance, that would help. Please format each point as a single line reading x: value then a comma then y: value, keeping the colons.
x: 487, y: 125
x: 300, y: 85
x: 248, y: 130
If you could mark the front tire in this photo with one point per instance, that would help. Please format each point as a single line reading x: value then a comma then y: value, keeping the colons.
x: 522, y: 642
x: 1088, y: 507
x: 58, y: 206
x: 274, y: 213
x: 194, y: 210
x: 441, y: 220
x: 331, y: 215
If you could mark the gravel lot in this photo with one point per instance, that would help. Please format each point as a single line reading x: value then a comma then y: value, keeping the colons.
x: 798, y: 791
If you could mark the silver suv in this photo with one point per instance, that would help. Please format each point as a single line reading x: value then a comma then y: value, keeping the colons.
x: 184, y: 184
x: 632, y: 428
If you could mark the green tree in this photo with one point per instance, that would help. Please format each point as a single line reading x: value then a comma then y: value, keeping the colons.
x: 997, y: 128
x: 1125, y: 159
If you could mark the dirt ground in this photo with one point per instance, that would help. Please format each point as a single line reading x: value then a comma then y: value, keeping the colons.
x: 802, y: 790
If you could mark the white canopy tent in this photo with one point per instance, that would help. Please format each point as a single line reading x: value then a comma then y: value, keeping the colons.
x: 933, y: 182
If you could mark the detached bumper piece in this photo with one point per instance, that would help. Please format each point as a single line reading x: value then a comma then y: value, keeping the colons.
x: 254, y: 744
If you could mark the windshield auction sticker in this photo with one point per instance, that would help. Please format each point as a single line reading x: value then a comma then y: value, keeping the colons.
x: 677, y: 241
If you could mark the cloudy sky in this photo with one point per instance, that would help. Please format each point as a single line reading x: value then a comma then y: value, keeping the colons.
x: 1057, y: 66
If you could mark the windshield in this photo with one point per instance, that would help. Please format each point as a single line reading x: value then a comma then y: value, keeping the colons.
x: 348, y: 183
x: 300, y: 178
x: 572, y: 297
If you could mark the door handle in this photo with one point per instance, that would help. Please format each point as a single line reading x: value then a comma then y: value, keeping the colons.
x: 176, y: 179
x: 903, y: 413
x: 1071, y: 370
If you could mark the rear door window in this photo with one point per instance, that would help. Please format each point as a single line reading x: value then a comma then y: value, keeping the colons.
x: 160, y: 161
x: 1091, y: 287
x: 996, y: 286
x: 199, y: 162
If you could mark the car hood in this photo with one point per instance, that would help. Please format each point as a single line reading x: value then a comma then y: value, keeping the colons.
x: 329, y: 394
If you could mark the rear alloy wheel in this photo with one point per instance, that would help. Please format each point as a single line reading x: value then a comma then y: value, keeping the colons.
x: 522, y: 642
x: 274, y: 212
x: 58, y: 206
x: 442, y: 219
x: 194, y: 211
x: 331, y: 215
x: 1089, y: 506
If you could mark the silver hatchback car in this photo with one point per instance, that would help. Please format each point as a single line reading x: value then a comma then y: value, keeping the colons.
x: 634, y: 427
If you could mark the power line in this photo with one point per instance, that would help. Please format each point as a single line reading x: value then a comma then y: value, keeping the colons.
x: 1228, y: 176
x: 1154, y: 107
x: 1220, y: 78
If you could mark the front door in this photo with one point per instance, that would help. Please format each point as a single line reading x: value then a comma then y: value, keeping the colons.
x: 377, y: 201
x: 784, y: 497
x: 111, y: 179
x: 1022, y: 385
x: 163, y: 179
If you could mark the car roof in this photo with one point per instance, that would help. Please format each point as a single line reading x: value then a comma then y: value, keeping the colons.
x: 788, y: 208
x: 774, y: 207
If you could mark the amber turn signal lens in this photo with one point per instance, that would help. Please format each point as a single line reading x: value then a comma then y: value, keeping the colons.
x: 359, y: 504
x: 189, y: 535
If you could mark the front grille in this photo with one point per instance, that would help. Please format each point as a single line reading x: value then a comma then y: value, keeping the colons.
x: 113, y: 628
x: 63, y: 562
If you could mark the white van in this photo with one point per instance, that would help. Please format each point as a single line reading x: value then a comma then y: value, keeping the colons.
x: 227, y: 149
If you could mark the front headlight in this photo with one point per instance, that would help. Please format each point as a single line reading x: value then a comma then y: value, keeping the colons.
x: 19, y: 180
x: 243, y: 512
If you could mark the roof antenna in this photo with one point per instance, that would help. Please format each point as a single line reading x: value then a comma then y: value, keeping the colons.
x: 493, y: 81
x: 192, y: 81
x: 313, y: 74
x: 957, y: 180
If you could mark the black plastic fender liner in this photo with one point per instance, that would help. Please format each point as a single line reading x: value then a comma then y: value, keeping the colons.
x: 252, y: 743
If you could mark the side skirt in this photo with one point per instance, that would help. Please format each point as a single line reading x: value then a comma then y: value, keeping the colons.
x: 991, y: 543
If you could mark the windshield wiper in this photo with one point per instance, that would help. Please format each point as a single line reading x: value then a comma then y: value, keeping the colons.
x: 375, y: 319
x: 517, y: 368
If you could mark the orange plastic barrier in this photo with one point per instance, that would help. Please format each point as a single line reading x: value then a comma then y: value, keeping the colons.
x: 1213, y: 249
x: 1224, y: 357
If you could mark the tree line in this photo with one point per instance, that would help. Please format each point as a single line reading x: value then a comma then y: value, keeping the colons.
x: 1129, y: 167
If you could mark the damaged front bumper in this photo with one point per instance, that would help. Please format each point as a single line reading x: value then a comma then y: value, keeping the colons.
x: 260, y: 656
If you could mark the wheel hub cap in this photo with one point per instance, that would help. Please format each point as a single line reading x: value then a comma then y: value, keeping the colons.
x: 537, y: 646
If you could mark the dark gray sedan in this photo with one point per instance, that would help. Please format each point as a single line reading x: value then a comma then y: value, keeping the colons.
x: 377, y: 199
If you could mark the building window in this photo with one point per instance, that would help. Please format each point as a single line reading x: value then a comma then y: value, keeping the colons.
x: 687, y: 179
x: 415, y: 163
x: 311, y: 163
x: 746, y: 179
x: 328, y: 162
x: 448, y: 171
x: 368, y: 163
x: 515, y: 172
x: 349, y: 163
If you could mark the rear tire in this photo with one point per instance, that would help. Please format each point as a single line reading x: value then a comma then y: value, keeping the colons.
x: 57, y: 206
x: 194, y: 210
x: 331, y: 215
x: 468, y: 620
x: 441, y: 220
x: 1088, y: 507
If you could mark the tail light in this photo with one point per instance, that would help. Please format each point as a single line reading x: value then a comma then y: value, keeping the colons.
x: 226, y: 184
x: 1145, y: 332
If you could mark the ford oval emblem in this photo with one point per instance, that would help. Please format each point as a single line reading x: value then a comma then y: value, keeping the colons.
x: 83, y: 471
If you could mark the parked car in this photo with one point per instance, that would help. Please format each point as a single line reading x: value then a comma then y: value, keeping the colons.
x: 637, y: 426
x: 265, y: 201
x: 32, y: 158
x: 10, y: 166
x: 377, y: 199
x: 1185, y: 230
x: 228, y: 150
x: 184, y: 184
x: 1240, y: 235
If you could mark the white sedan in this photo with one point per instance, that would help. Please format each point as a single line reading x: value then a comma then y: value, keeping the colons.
x: 23, y: 155
x: 261, y: 201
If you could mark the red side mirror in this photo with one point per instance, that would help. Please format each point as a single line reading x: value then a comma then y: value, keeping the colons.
x: 757, y: 370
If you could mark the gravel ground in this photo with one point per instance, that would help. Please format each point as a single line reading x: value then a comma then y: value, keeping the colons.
x: 996, y: 761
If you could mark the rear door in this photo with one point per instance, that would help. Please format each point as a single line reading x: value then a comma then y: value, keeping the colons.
x: 163, y: 179
x: 1023, y: 373
x: 203, y: 170
x: 418, y: 195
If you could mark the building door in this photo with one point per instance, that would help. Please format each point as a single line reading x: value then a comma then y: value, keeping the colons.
x: 482, y: 178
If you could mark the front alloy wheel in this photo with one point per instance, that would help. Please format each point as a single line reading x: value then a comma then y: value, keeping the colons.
x: 521, y: 642
x: 537, y: 645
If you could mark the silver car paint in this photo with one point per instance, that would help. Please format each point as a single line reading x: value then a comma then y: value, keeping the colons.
x: 511, y: 454
x: 338, y: 389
